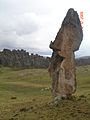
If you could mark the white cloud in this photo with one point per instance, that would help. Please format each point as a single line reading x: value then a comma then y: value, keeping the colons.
x: 31, y: 24
x: 8, y: 40
x: 27, y: 24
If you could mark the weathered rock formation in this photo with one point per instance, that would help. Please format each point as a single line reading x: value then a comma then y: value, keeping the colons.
x: 22, y: 59
x: 62, y: 66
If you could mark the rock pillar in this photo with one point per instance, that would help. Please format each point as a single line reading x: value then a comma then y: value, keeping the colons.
x: 62, y: 66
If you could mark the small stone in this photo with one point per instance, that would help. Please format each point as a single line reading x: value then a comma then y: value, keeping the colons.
x: 14, y: 97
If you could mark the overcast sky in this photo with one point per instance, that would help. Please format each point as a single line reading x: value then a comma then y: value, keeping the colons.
x: 32, y: 24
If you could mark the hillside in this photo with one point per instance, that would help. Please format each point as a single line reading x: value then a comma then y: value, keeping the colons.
x: 83, y: 60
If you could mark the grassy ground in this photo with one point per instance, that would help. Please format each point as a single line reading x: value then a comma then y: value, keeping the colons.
x: 25, y: 95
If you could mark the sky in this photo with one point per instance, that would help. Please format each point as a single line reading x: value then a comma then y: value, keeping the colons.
x: 32, y: 24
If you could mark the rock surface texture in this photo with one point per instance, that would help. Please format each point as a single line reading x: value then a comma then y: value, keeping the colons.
x: 62, y: 66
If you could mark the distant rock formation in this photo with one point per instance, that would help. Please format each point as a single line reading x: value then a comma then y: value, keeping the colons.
x: 82, y: 61
x: 22, y: 59
x: 62, y: 66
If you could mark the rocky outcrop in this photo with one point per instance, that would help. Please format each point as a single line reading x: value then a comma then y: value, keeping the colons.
x: 62, y: 66
x: 82, y: 61
x: 22, y: 59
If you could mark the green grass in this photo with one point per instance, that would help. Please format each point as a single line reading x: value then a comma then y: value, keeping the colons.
x: 83, y: 80
x: 23, y: 96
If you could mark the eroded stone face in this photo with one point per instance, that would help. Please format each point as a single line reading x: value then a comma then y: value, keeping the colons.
x: 62, y: 66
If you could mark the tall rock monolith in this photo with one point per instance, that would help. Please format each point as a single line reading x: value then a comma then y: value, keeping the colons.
x: 62, y: 65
